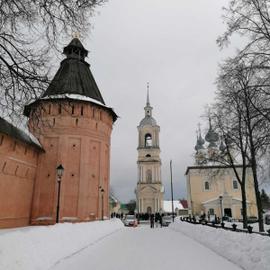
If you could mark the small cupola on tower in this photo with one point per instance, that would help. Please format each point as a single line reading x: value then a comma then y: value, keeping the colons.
x: 211, y: 136
x: 75, y: 49
x: 200, y: 155
x: 200, y: 141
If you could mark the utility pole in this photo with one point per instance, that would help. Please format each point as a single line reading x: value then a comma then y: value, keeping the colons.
x: 172, y: 190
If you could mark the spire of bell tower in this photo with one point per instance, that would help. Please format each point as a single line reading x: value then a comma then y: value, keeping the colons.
x: 148, y: 109
x: 147, y: 99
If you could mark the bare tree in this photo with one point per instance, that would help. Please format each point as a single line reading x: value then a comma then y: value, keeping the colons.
x: 228, y: 123
x: 238, y: 93
x: 30, y: 32
x: 251, y: 19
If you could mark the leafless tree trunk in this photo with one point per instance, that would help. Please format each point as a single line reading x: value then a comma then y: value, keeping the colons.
x: 228, y: 123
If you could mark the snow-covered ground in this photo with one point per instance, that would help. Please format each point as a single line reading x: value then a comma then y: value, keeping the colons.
x: 249, y: 251
x: 108, y: 245
x: 41, y: 247
x: 143, y: 248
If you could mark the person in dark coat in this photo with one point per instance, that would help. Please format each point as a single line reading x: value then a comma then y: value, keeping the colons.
x: 160, y: 220
x: 152, y: 221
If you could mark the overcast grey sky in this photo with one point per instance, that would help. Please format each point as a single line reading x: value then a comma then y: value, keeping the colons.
x: 172, y: 45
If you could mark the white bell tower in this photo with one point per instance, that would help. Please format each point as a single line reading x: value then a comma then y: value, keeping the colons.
x: 149, y: 191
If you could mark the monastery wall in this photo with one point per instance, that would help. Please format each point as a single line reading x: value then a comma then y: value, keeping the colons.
x: 18, y: 164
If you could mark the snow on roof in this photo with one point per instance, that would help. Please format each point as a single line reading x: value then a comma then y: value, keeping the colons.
x: 71, y: 97
x: 19, y: 132
x: 81, y: 98
x: 167, y: 206
x: 76, y: 97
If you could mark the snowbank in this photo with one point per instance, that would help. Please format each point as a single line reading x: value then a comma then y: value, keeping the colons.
x: 38, y: 248
x: 249, y: 251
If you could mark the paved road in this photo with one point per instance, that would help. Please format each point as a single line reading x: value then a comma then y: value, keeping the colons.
x: 143, y: 248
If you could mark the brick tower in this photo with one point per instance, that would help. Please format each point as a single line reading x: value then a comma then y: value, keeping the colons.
x: 73, y: 124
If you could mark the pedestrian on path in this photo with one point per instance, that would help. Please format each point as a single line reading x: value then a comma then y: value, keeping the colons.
x: 152, y: 221
x: 156, y: 219
x: 160, y: 220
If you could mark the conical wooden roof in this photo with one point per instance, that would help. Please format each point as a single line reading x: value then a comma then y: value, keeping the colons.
x: 74, y: 75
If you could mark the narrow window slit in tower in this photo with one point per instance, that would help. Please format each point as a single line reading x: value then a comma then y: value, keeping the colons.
x: 1, y: 139
x: 4, y: 166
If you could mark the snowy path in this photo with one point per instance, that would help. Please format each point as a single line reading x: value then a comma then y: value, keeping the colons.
x: 143, y: 248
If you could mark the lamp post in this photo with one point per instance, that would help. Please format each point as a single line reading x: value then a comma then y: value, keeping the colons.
x: 172, y: 190
x: 60, y: 171
x: 221, y: 210
x: 102, y: 203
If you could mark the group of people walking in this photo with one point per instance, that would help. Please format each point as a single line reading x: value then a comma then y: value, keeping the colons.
x: 156, y: 219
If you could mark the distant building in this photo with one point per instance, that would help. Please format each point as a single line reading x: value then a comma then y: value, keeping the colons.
x: 115, y: 205
x: 167, y: 206
x: 149, y: 191
x: 179, y: 208
x: 72, y: 126
x: 213, y: 189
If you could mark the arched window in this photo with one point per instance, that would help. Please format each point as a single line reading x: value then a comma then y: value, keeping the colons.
x: 206, y: 185
x: 148, y: 140
x: 148, y: 155
x: 148, y: 176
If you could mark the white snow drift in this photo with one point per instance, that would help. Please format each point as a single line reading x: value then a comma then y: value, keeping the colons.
x: 249, y: 251
x: 44, y: 246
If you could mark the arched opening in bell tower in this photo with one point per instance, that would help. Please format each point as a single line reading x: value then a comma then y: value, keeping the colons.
x: 148, y: 142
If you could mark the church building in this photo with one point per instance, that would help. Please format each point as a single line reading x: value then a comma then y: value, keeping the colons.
x: 212, y: 188
x: 149, y: 191
x: 69, y: 125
